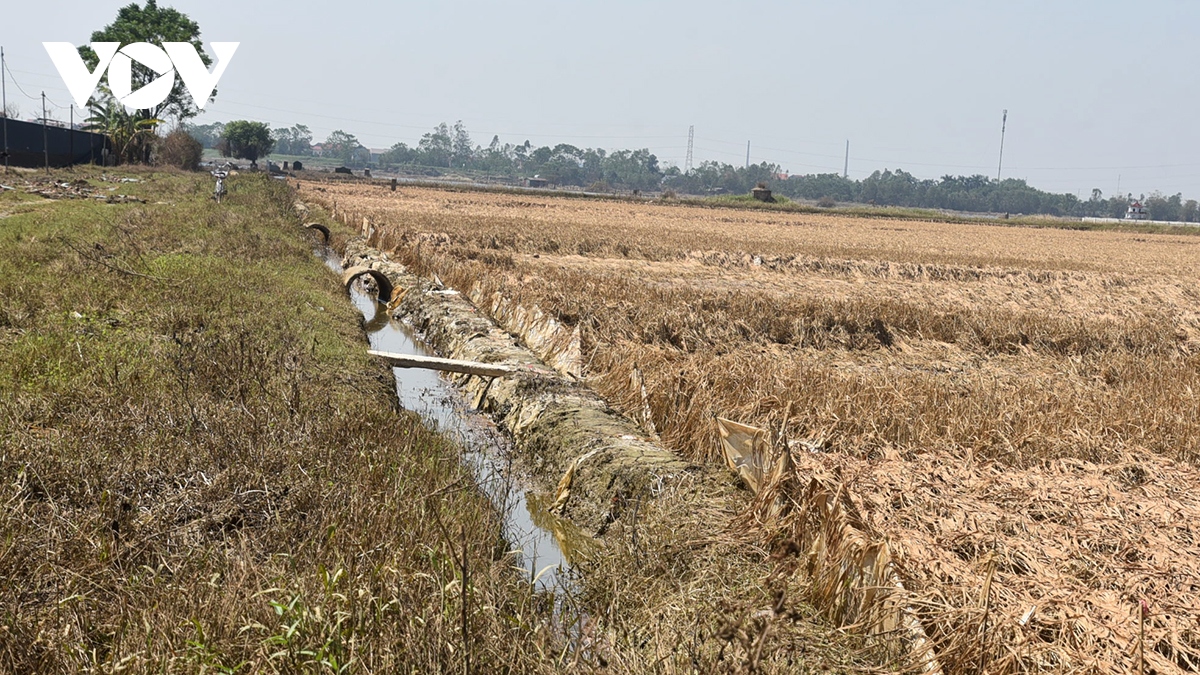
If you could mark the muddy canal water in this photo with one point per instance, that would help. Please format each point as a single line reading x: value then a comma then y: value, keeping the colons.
x: 486, y: 451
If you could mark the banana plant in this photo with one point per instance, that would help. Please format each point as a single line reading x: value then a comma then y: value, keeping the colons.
x: 130, y: 135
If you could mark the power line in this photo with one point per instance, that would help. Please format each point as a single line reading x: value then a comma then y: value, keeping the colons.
x: 781, y: 138
x: 885, y: 162
x: 1104, y: 168
x: 32, y: 98
x: 14, y: 79
x: 789, y: 152
x: 426, y: 128
x: 342, y: 118
x: 433, y: 115
x: 741, y: 156
x: 719, y: 152
x: 894, y: 162
x: 227, y: 100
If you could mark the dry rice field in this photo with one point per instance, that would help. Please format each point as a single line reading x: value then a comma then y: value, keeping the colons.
x: 1013, y: 410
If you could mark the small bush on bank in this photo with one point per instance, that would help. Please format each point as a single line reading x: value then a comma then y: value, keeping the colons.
x: 180, y: 150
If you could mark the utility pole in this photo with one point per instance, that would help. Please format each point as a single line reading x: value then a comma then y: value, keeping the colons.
x: 4, y: 102
x: 687, y: 163
x: 1003, y: 126
x: 747, y: 154
x: 45, y: 134
x: 846, y: 166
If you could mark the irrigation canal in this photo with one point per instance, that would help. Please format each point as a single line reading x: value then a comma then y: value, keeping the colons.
x: 485, y: 449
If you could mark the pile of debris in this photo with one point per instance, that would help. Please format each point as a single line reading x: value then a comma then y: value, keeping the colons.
x: 78, y: 189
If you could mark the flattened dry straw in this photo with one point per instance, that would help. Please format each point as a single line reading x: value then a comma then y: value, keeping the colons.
x: 852, y: 571
x: 853, y: 576
x: 1009, y: 416
x: 1009, y: 571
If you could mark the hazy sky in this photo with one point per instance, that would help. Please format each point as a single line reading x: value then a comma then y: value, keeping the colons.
x: 1095, y: 90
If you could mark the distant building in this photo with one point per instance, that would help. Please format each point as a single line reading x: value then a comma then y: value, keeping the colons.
x: 318, y: 150
x: 537, y: 182
x: 360, y: 155
x: 376, y: 154
x: 1136, y: 212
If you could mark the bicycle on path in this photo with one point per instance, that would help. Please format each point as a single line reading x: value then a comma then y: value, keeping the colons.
x: 219, y: 191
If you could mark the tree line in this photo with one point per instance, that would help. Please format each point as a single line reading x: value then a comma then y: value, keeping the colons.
x: 975, y: 193
x: 450, y: 147
x: 561, y: 164
x: 980, y: 193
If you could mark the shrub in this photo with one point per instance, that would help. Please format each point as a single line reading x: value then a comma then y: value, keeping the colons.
x: 826, y: 202
x: 180, y: 150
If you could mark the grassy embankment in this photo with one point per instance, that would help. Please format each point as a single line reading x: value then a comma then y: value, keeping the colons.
x: 203, y: 472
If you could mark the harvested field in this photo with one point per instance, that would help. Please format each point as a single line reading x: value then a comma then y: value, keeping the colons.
x: 1012, y: 411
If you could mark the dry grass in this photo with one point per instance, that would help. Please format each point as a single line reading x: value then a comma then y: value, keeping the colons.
x: 202, y: 470
x: 949, y: 369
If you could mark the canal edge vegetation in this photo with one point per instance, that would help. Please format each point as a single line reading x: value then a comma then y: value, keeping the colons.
x: 205, y: 472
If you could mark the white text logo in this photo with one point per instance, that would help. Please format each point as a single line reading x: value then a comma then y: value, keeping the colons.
x: 171, y: 58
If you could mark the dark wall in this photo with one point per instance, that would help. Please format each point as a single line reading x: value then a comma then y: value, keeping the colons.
x: 25, y: 145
